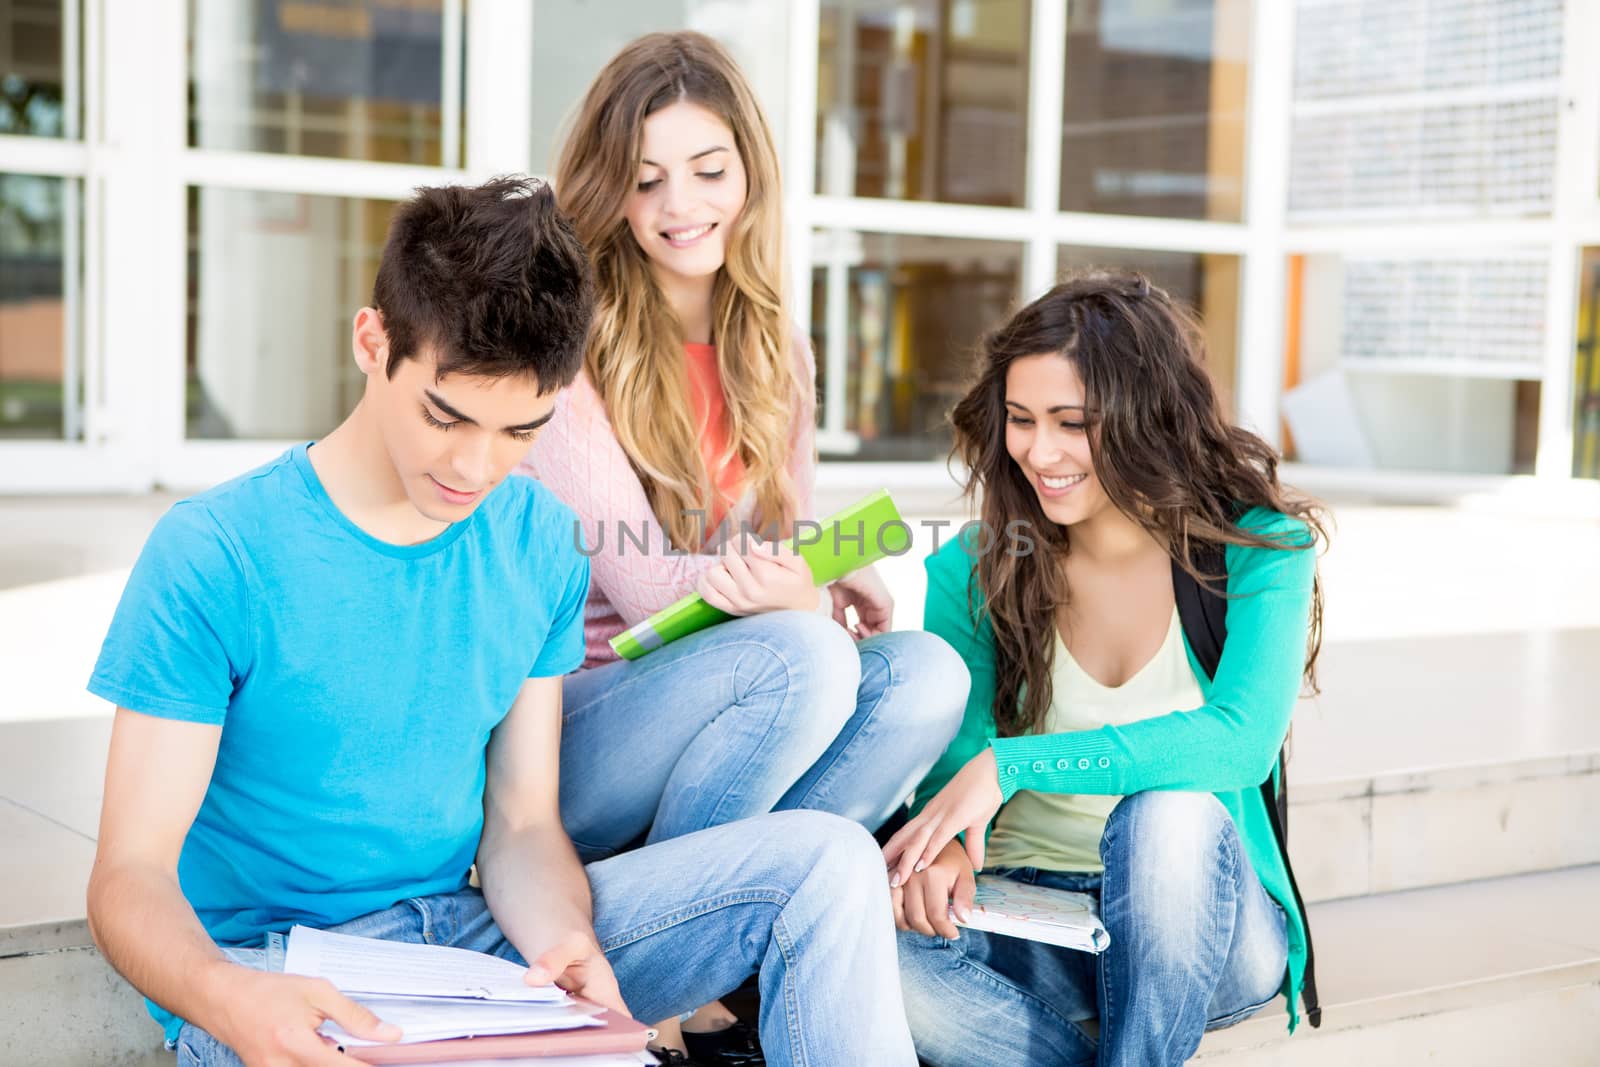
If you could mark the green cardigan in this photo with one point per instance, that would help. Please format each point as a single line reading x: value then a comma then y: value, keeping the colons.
x: 1227, y: 747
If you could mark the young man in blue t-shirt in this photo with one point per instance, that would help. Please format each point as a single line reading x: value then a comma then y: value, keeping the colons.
x: 338, y: 681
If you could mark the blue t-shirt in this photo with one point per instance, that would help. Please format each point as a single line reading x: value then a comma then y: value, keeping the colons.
x: 356, y: 683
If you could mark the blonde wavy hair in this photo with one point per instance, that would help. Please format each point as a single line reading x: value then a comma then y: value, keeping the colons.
x: 635, y: 352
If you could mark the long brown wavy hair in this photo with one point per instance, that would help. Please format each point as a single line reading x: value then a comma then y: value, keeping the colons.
x: 1162, y: 448
x: 635, y: 353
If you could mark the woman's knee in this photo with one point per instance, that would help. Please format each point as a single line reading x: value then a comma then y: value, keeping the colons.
x: 1166, y: 847
x: 923, y: 680
x: 807, y: 655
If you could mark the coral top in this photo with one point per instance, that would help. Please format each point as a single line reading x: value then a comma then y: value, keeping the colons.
x: 578, y: 458
x: 711, y: 414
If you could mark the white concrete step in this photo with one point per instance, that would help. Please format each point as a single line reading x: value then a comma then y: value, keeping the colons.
x: 1504, y: 971
x: 1408, y: 830
x: 65, y: 1007
x: 1374, y: 833
x: 1432, y: 759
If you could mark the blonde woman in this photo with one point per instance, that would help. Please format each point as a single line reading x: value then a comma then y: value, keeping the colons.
x: 694, y: 416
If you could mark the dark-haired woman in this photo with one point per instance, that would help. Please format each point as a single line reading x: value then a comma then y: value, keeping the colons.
x: 1098, y: 753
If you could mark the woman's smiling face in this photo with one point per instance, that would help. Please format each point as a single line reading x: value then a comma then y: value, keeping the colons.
x: 1047, y: 436
x: 689, y: 191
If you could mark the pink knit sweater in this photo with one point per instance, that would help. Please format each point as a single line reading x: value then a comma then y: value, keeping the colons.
x: 578, y: 458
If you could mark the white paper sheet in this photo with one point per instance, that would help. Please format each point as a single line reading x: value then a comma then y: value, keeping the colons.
x: 437, y: 1020
x: 599, y: 1059
x: 370, y: 966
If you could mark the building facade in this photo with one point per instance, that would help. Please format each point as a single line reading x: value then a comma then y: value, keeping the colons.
x: 1387, y: 214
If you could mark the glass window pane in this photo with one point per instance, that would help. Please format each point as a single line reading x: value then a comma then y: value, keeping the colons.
x: 360, y: 79
x: 1437, y: 110
x: 40, y: 387
x: 1586, y: 391
x: 35, y: 99
x: 905, y: 335
x: 571, y: 44
x: 1416, y: 363
x: 1155, y: 102
x: 274, y: 281
x: 923, y: 100
x: 1208, y: 283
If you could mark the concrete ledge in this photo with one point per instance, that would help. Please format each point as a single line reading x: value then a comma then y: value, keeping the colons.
x: 1493, y: 972
x: 66, y: 1007
x: 1442, y: 826
x: 1513, y: 1022
x: 34, y: 938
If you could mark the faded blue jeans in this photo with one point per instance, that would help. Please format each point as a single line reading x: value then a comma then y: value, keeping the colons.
x: 1196, y: 945
x: 797, y: 895
x: 771, y: 712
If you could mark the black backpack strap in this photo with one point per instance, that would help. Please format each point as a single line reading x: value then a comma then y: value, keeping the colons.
x: 1203, y: 614
x: 1203, y: 610
x: 1278, y: 814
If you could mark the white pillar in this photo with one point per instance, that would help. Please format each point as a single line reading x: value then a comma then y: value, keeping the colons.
x: 500, y: 87
x: 1577, y: 173
x: 139, y: 332
x: 1261, y: 296
x: 1047, y: 64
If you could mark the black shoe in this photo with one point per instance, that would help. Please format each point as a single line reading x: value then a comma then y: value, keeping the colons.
x: 736, y: 1046
x: 671, y: 1057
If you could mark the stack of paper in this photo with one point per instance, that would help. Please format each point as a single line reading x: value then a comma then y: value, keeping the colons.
x: 435, y: 993
x: 621, y: 1059
x: 438, y: 1019
x: 1037, y: 913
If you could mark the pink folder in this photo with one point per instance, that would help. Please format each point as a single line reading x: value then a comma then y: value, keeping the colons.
x: 619, y: 1034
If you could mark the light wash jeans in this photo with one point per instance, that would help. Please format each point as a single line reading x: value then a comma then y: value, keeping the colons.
x: 798, y: 895
x: 771, y: 712
x: 1196, y: 944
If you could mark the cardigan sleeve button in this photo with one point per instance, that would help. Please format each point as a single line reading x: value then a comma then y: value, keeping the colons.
x: 1104, y: 763
x: 1011, y: 769
x: 1038, y: 766
x: 1063, y: 764
x: 1083, y: 763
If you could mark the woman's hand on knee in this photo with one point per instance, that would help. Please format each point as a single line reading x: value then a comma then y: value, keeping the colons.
x: 924, y: 902
x: 965, y: 806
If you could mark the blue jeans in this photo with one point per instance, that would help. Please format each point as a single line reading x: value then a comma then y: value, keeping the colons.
x: 1196, y: 944
x: 771, y: 712
x: 797, y: 895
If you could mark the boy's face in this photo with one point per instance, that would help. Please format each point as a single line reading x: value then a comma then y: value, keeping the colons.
x: 453, y: 439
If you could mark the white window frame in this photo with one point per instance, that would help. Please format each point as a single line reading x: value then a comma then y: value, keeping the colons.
x: 1572, y: 225
x: 1576, y: 224
x: 1040, y: 229
x: 136, y: 168
x: 497, y: 99
x: 88, y: 457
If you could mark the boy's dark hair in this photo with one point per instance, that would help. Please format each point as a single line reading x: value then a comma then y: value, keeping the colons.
x: 492, y: 276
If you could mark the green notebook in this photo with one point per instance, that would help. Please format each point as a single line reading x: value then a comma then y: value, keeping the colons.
x: 861, y: 534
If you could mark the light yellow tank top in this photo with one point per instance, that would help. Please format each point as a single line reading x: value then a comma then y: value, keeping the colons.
x: 1061, y: 831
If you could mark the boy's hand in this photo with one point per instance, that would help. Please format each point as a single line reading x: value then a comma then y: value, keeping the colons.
x: 576, y: 964
x: 770, y: 577
x: 923, y: 903
x: 271, y: 1020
